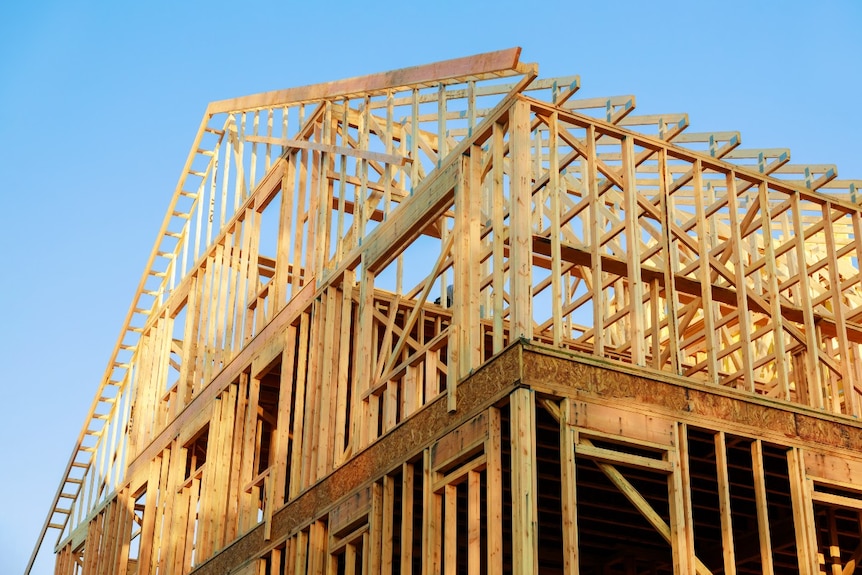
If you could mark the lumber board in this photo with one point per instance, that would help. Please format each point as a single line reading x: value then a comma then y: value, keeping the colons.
x: 502, y: 62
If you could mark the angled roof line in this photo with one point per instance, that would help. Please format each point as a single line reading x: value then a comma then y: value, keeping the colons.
x: 481, y: 66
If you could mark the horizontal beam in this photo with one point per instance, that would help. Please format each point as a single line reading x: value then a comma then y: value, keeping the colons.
x: 500, y: 63
x: 591, y: 379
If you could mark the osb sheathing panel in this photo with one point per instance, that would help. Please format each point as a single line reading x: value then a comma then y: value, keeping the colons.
x: 488, y: 385
x: 713, y: 407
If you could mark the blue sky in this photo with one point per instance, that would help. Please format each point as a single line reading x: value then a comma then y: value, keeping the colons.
x: 99, y: 103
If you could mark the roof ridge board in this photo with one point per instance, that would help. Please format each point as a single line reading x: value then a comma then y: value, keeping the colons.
x: 488, y: 65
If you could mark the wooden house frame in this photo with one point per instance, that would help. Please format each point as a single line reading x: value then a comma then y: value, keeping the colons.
x: 454, y: 319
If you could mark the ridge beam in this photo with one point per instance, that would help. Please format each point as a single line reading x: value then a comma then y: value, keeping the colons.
x: 488, y: 65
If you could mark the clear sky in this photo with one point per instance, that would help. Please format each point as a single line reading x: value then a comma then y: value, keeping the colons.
x: 100, y: 102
